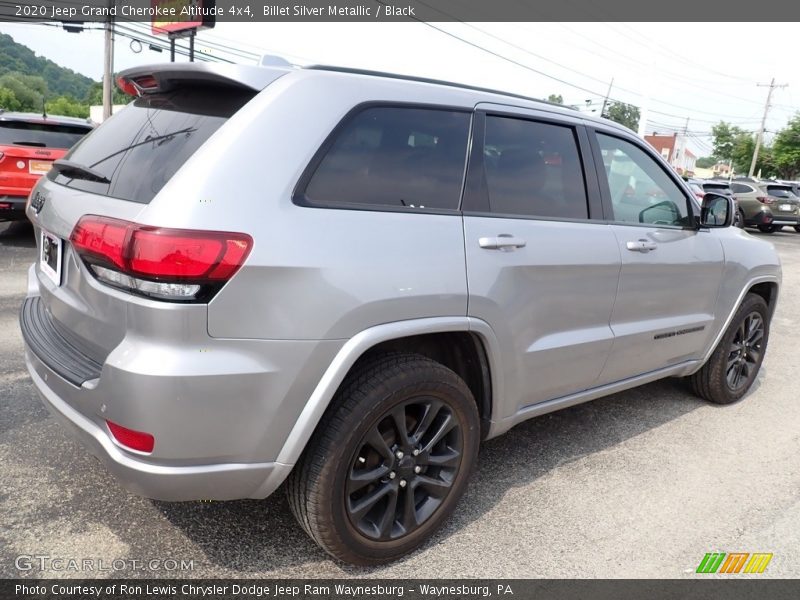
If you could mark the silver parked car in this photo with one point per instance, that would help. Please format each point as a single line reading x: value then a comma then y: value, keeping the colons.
x: 347, y: 280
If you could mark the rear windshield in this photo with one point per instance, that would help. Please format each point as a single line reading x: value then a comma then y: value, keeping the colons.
x: 144, y: 145
x: 40, y: 135
x: 718, y: 189
x: 780, y: 192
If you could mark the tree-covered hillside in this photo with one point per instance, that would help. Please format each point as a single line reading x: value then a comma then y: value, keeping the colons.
x: 16, y: 58
x: 27, y: 81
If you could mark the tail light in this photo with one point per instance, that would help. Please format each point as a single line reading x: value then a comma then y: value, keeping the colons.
x: 765, y: 199
x: 130, y: 438
x: 169, y: 264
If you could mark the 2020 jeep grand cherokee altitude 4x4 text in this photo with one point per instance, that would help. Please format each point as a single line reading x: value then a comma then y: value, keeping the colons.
x: 348, y: 280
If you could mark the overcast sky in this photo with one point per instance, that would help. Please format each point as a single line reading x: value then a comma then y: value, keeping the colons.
x: 697, y: 71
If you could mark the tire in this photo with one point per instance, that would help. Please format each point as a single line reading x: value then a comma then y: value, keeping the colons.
x: 327, y: 490
x: 732, y: 368
x: 797, y: 228
x: 766, y: 228
x: 740, y: 219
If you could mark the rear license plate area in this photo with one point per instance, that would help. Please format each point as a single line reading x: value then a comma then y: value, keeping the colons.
x: 50, y: 250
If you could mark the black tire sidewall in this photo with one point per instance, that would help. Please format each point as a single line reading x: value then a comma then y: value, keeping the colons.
x: 376, y: 404
x: 751, y: 303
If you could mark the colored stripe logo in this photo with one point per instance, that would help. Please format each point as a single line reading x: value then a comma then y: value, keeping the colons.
x: 734, y: 562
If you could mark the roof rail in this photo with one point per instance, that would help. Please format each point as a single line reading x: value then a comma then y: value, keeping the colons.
x: 428, y: 80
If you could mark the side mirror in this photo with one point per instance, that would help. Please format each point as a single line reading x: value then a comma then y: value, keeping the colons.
x: 716, y: 210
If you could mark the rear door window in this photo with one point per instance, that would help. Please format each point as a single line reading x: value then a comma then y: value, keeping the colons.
x: 741, y: 188
x: 393, y: 157
x: 40, y: 135
x: 144, y: 145
x: 533, y: 169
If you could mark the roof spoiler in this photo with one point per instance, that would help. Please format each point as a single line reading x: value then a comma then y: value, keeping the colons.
x: 163, y: 77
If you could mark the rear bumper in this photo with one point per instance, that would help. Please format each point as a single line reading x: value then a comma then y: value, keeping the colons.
x: 785, y: 220
x: 12, y: 208
x: 220, y: 410
x: 162, y: 482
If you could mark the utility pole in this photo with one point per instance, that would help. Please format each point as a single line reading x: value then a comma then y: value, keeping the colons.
x: 108, y: 66
x: 605, y: 101
x: 760, y: 136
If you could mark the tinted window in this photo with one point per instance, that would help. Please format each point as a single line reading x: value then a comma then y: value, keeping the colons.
x: 740, y: 188
x: 533, y: 169
x: 641, y: 191
x: 779, y: 191
x: 143, y: 146
x: 392, y: 156
x: 40, y: 135
x: 718, y: 188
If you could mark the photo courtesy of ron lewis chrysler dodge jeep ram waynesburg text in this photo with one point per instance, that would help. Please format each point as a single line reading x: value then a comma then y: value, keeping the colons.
x: 346, y: 280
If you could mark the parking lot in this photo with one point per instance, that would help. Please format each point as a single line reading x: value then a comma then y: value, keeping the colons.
x: 639, y: 484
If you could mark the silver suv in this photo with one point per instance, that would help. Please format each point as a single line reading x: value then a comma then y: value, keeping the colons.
x: 347, y: 280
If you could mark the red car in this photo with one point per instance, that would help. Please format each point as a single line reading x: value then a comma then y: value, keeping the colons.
x: 29, y: 143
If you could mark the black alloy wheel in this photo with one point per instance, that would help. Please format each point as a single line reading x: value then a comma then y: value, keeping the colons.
x: 403, y: 469
x: 745, y: 352
x: 734, y: 364
x: 389, y: 460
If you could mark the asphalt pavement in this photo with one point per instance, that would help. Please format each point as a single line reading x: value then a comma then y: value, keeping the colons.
x: 638, y: 484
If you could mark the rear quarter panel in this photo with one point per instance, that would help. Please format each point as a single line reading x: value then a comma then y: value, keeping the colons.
x: 313, y: 273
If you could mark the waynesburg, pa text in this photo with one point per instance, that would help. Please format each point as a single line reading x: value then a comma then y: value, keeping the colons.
x: 274, y: 590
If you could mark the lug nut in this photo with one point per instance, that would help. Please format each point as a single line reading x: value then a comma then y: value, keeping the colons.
x: 392, y: 475
x: 417, y: 469
x: 402, y: 483
x: 362, y: 460
x: 416, y: 452
x: 399, y: 454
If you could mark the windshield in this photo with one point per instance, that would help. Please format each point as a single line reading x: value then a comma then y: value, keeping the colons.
x: 135, y: 153
x: 40, y: 135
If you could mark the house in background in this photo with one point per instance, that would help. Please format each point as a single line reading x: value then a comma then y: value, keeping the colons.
x: 722, y: 169
x: 675, y: 150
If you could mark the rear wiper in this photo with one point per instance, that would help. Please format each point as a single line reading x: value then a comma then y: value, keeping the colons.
x: 76, y: 171
x: 167, y: 137
x: 37, y: 144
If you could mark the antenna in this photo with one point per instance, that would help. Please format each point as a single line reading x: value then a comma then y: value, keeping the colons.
x: 44, y: 109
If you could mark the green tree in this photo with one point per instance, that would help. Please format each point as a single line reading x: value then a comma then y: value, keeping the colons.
x: 29, y: 90
x: 68, y: 107
x: 726, y: 137
x: 555, y: 99
x: 706, y: 162
x: 786, y: 149
x: 95, y: 95
x: 734, y: 144
x: 8, y: 100
x: 624, y: 114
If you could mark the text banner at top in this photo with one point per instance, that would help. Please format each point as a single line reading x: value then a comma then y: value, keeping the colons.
x: 246, y: 11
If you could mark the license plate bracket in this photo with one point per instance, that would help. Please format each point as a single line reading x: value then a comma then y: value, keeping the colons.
x: 50, y: 250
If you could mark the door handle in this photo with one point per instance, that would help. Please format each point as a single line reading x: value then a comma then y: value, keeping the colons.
x: 505, y: 242
x: 643, y: 246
